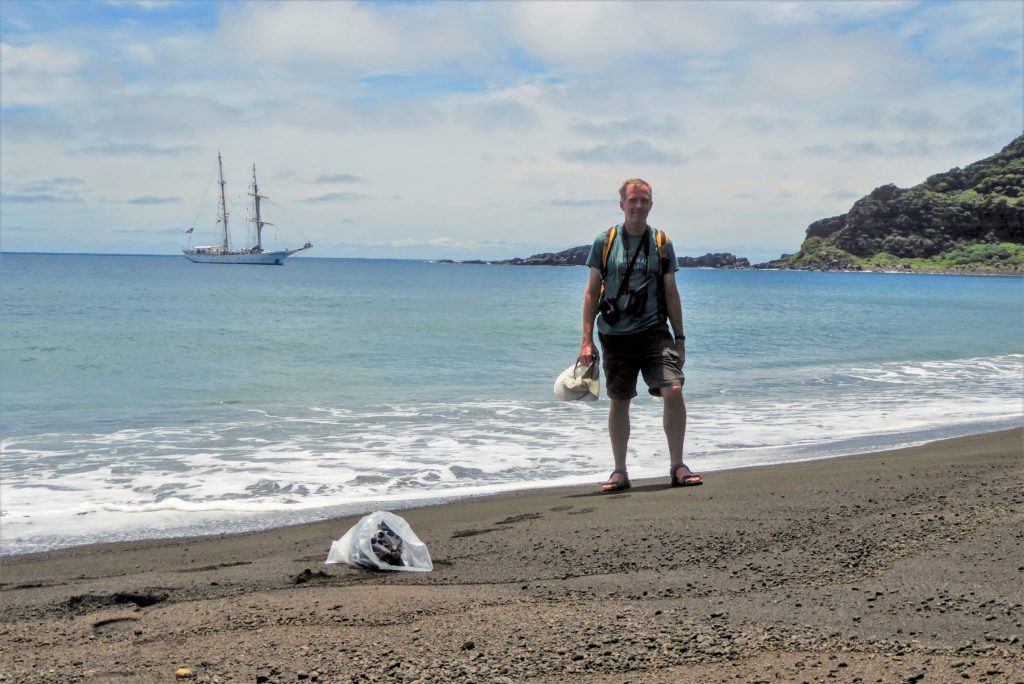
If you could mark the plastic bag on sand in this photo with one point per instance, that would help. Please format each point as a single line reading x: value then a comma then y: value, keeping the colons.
x: 382, y: 541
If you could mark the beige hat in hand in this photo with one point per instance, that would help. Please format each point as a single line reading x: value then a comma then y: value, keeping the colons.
x: 579, y: 383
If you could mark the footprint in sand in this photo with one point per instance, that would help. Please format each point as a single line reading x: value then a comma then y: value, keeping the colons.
x: 112, y: 625
x: 472, y: 533
x: 519, y: 518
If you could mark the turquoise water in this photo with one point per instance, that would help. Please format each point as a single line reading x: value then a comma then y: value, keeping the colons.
x: 146, y: 396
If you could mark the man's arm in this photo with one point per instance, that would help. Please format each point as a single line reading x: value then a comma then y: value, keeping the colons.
x: 590, y: 302
x: 674, y: 309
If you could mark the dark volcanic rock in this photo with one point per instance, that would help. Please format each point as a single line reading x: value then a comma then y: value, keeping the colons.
x: 577, y: 256
x: 823, y: 259
x: 950, y: 213
x: 574, y: 256
x: 715, y: 260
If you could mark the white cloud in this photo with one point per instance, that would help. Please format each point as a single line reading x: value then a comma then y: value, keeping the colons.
x: 505, y: 112
x: 631, y: 152
x: 500, y: 126
x: 335, y: 197
x: 39, y: 60
x: 148, y: 5
x: 115, y: 149
x: 589, y: 35
x: 665, y: 125
x: 822, y: 66
x: 801, y: 13
x: 40, y: 75
x: 364, y: 38
x: 957, y: 29
x: 140, y: 53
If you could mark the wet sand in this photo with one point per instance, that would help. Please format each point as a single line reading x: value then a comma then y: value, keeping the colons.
x: 901, y: 566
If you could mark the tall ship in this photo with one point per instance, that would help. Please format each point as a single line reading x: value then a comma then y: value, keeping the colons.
x: 223, y: 253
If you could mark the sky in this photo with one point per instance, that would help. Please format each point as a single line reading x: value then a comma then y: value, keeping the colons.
x: 485, y: 130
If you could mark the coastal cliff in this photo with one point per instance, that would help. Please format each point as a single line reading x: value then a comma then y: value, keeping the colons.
x: 963, y: 220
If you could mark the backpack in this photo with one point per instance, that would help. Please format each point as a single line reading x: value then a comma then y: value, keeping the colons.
x: 660, y: 238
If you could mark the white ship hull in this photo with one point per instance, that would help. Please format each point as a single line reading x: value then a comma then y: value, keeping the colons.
x: 265, y: 258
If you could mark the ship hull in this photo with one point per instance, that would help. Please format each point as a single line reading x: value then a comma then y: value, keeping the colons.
x: 260, y: 258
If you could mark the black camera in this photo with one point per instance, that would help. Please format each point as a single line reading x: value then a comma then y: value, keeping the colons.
x: 609, y: 311
x: 634, y: 303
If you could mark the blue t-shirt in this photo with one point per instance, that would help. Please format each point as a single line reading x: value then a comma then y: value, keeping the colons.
x: 643, y: 279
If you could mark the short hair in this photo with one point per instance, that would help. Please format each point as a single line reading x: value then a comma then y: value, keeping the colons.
x: 634, y: 181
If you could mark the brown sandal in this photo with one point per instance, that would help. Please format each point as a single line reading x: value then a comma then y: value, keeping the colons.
x: 692, y: 479
x: 616, y: 485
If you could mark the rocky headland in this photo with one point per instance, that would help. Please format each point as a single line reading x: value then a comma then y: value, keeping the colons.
x: 968, y: 220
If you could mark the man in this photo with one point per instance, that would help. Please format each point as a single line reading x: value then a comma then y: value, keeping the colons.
x: 632, y: 285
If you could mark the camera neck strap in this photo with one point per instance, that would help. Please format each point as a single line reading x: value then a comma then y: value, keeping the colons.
x: 644, y: 244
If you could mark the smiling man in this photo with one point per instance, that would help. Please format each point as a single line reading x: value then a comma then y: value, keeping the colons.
x: 632, y: 294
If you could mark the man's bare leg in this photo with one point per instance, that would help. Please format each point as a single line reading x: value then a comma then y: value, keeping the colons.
x: 674, y: 420
x: 618, y: 431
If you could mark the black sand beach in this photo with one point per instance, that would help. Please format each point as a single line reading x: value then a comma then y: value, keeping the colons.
x: 902, y: 566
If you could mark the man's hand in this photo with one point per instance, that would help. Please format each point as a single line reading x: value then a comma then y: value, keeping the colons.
x: 681, y: 349
x: 586, y: 357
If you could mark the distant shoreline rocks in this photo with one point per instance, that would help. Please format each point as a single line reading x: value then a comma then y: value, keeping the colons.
x: 714, y: 260
x: 577, y: 256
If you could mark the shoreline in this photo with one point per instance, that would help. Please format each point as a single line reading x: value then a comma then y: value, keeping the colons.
x: 507, y: 262
x: 906, y: 271
x: 217, y: 524
x: 890, y: 566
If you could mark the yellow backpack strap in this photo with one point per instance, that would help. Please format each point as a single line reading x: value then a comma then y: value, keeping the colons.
x: 660, y: 238
x: 604, y: 254
x: 607, y: 249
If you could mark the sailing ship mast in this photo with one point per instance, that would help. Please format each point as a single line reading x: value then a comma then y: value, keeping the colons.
x: 223, y: 254
x: 256, y: 197
x: 223, y: 205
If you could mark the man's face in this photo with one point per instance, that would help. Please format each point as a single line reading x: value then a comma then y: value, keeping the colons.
x: 637, y: 204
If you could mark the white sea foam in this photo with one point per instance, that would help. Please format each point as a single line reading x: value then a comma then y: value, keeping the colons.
x: 214, y: 477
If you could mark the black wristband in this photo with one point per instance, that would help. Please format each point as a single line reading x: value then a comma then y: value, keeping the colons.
x: 681, y: 337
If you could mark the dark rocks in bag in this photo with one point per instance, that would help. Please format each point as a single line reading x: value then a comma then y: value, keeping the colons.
x: 387, y: 545
x: 381, y: 541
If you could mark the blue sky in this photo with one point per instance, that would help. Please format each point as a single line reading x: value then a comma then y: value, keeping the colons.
x: 489, y: 129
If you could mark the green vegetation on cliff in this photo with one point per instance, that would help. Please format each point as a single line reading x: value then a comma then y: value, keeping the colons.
x: 969, y: 219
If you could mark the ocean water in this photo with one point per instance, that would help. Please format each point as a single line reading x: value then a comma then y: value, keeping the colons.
x: 145, y: 397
